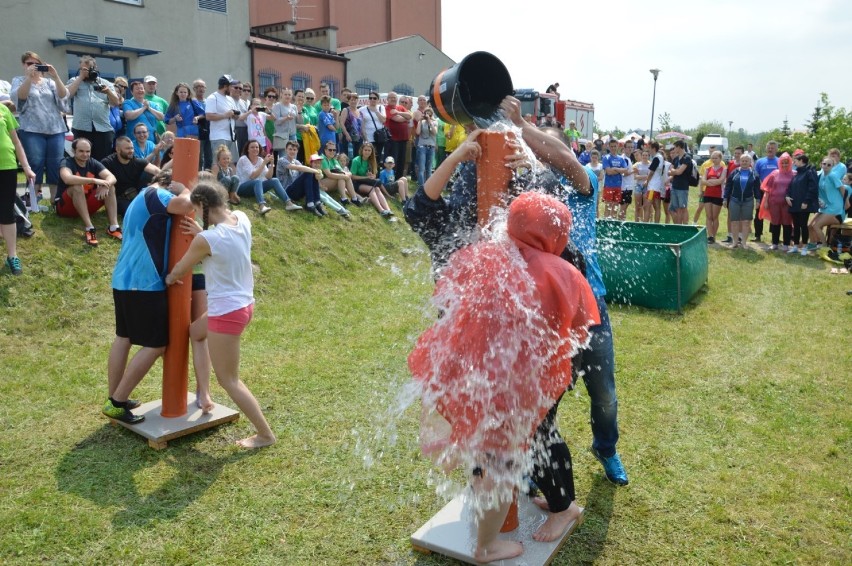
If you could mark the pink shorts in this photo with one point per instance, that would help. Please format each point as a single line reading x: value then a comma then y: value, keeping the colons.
x: 233, y: 322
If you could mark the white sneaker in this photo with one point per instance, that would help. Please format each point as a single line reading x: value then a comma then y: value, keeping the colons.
x: 264, y: 209
x: 792, y: 250
x: 804, y: 251
x: 773, y: 247
x: 292, y: 206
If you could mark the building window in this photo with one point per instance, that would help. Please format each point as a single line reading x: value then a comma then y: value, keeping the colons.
x: 364, y: 86
x: 301, y: 81
x: 267, y: 78
x: 220, y: 6
x: 108, y: 67
x: 333, y: 85
x: 403, y: 90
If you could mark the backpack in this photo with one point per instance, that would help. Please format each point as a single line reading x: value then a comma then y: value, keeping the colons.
x: 22, y: 219
x: 693, y: 175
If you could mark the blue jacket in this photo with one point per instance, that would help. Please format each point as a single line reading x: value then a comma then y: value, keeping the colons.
x: 734, y: 189
x: 804, y: 188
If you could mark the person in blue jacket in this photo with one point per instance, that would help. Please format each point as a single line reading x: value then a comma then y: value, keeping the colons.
x: 741, y: 190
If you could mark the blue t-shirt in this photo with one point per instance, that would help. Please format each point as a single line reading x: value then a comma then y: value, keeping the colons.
x: 583, y: 232
x: 144, y: 257
x: 831, y: 201
x: 584, y: 158
x: 387, y: 177
x: 146, y: 118
x: 324, y: 120
x: 142, y: 152
x: 765, y: 166
x: 188, y: 110
x: 610, y: 160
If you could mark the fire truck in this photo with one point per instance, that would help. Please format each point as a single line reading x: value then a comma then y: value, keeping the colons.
x: 540, y: 104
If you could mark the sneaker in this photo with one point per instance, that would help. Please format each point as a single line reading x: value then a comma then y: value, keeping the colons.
x: 612, y: 467
x: 773, y: 247
x: 358, y: 201
x: 392, y: 218
x: 345, y: 202
x: 290, y: 205
x: 133, y: 403
x: 320, y: 209
x: 14, y: 265
x: 121, y: 414
x: 811, y: 247
x: 345, y: 214
x: 804, y: 251
x: 115, y: 233
x: 91, y: 237
x: 792, y: 249
x: 264, y: 208
x: 729, y: 239
x: 711, y: 240
x: 385, y: 213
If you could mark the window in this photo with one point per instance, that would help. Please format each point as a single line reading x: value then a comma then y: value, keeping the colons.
x: 301, y: 81
x: 220, y: 6
x: 333, y: 85
x: 267, y: 78
x: 108, y: 67
x: 403, y: 90
x: 364, y: 86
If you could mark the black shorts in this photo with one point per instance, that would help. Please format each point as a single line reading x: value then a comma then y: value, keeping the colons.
x: 713, y: 200
x: 142, y: 317
x: 667, y: 196
x: 627, y: 196
x: 198, y: 282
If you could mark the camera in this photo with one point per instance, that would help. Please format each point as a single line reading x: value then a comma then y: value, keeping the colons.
x: 98, y: 87
x: 42, y: 68
x: 93, y: 75
x: 262, y: 109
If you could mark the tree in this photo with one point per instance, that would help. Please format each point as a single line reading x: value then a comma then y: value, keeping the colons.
x: 816, y: 118
x: 665, y: 122
x: 704, y: 128
x: 830, y: 127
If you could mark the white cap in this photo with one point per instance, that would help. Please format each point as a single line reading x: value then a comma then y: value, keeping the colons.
x: 149, y: 79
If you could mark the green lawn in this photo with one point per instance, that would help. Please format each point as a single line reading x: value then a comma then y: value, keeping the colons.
x: 734, y: 416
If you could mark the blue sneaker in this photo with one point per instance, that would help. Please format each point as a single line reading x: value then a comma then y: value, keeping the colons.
x: 612, y: 467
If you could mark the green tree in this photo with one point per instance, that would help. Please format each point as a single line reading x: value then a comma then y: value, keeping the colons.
x: 832, y: 127
x: 665, y: 120
x: 704, y: 128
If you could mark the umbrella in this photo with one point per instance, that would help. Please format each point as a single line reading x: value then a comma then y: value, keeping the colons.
x: 672, y: 135
x: 582, y: 141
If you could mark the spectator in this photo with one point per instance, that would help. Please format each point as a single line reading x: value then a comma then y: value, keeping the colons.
x: 614, y: 169
x: 394, y: 186
x: 440, y: 142
x: 10, y: 148
x: 199, y: 91
x: 803, y: 199
x: 300, y: 181
x: 92, y: 97
x: 38, y: 96
x: 226, y: 174
x: 139, y: 292
x: 764, y: 166
x: 734, y: 164
x: 220, y: 111
x: 131, y: 173
x: 750, y: 152
x: 316, y: 163
x: 628, y: 182
x: 657, y: 176
x: 335, y: 177
x: 680, y: 175
x: 701, y: 171
x: 144, y: 148
x: 325, y: 90
x: 5, y: 100
x: 373, y: 118
x: 831, y: 201
x: 241, y: 93
x: 454, y: 135
x: 255, y: 173
x: 364, y: 177
x: 774, y: 205
x: 184, y: 112
x: 85, y: 186
x: 327, y: 121
x: 427, y: 130
x: 713, y: 180
x: 116, y: 112
x: 284, y: 115
x: 641, y: 170
x: 573, y: 136
x: 156, y: 102
x: 256, y: 124
x: 742, y: 188
x: 139, y: 110
x: 350, y: 121
x: 585, y: 156
x: 309, y: 111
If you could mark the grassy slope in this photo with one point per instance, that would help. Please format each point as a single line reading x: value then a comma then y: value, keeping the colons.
x: 734, y: 417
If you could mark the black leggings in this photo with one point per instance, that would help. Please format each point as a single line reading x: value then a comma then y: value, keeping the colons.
x: 8, y: 188
x: 758, y: 222
x: 776, y: 229
x: 553, y: 472
x: 800, y: 227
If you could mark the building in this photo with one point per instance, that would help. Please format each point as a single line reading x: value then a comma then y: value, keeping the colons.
x: 175, y: 41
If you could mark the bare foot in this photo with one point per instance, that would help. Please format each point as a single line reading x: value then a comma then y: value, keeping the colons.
x: 207, y: 404
x: 498, y: 550
x: 557, y: 524
x: 256, y: 441
x: 542, y: 503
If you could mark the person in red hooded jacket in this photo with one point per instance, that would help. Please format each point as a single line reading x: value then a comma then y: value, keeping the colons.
x: 774, y: 206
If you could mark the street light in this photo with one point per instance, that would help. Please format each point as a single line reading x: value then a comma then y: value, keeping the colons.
x: 654, y: 72
x: 730, y: 128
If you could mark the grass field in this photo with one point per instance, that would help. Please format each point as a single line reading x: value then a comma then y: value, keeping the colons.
x: 734, y: 416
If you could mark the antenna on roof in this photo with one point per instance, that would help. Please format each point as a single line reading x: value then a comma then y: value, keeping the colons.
x: 295, y: 4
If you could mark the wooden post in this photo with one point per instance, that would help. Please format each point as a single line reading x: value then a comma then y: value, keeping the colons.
x: 176, y: 358
x: 492, y: 183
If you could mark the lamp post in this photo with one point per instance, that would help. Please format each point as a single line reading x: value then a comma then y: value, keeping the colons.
x: 730, y: 128
x: 654, y: 72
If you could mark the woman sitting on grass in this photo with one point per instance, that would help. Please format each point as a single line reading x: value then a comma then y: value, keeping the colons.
x: 364, y: 175
x: 255, y: 173
x: 225, y: 254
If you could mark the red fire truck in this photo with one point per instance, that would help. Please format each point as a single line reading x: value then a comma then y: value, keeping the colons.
x: 540, y: 104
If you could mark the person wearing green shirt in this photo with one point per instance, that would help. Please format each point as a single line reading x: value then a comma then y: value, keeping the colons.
x: 10, y: 148
x: 161, y: 103
x: 325, y: 90
x: 364, y: 170
x: 573, y: 135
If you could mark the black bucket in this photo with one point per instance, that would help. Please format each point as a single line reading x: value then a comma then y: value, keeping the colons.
x: 471, y: 90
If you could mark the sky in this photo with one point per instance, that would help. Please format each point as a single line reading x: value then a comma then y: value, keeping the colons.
x: 749, y: 62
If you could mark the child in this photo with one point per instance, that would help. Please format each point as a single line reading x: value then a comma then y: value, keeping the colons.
x: 391, y: 184
x: 225, y: 253
x: 343, y: 159
x: 499, y: 358
x: 256, y: 123
x: 327, y: 122
x: 299, y: 180
x: 226, y: 174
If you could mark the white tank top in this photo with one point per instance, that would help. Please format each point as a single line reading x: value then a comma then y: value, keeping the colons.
x: 227, y: 270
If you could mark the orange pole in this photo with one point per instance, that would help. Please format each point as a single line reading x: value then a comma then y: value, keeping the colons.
x: 511, y: 523
x: 176, y: 358
x: 492, y: 182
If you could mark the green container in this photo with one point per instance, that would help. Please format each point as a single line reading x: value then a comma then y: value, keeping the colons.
x: 658, y: 266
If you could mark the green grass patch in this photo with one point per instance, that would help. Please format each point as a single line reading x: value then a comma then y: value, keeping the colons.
x: 734, y: 417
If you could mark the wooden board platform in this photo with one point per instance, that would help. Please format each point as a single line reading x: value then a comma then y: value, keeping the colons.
x: 452, y: 532
x: 159, y: 430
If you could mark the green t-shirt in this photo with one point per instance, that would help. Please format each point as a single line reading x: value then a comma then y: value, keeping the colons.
x: 330, y: 164
x: 8, y: 124
x: 310, y: 115
x: 360, y: 167
x: 335, y: 103
x: 162, y: 106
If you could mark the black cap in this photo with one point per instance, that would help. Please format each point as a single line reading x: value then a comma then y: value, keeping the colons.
x: 225, y: 80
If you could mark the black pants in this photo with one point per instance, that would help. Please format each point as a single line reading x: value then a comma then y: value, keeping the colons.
x: 553, y: 472
x: 101, y: 142
x: 241, y: 135
x: 800, y: 227
x: 776, y: 229
x: 758, y: 222
x: 8, y: 191
x: 396, y: 149
x: 206, y: 154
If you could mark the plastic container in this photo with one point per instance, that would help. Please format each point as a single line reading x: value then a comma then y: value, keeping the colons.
x: 471, y: 90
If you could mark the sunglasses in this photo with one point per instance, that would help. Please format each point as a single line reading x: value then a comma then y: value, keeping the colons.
x: 331, y: 149
x: 275, y: 96
x: 827, y: 164
x: 309, y: 98
x: 236, y: 88
x: 374, y: 98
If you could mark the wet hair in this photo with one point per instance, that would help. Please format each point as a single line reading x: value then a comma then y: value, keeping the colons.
x: 208, y: 195
x: 163, y: 178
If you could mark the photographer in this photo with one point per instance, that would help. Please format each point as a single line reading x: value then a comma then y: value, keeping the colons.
x: 92, y: 97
